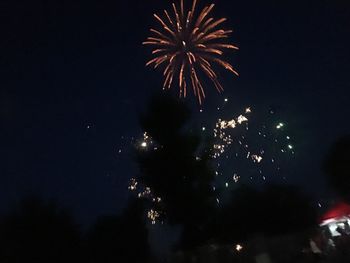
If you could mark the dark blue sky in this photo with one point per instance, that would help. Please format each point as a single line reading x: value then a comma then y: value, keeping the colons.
x: 73, y: 82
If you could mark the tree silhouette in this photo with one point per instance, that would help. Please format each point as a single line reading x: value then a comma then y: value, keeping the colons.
x: 38, y: 232
x: 178, y: 171
x: 287, y: 210
x: 121, y: 238
x: 337, y: 167
x: 237, y: 220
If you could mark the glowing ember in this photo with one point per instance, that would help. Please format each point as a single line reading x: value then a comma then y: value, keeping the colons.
x: 238, y: 247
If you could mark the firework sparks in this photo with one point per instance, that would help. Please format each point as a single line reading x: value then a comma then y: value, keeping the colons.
x: 236, y: 178
x: 258, y: 151
x: 153, y: 216
x: 280, y: 126
x: 187, y: 44
x: 133, y: 184
x: 145, y: 192
x: 254, y: 154
x: 257, y: 158
x: 238, y: 247
x: 220, y: 132
x: 146, y: 142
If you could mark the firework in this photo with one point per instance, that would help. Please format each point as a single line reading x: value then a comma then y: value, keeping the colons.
x: 153, y: 216
x: 238, y: 247
x: 189, y: 43
x: 250, y: 147
x: 146, y: 193
x: 224, y: 138
x: 132, y: 184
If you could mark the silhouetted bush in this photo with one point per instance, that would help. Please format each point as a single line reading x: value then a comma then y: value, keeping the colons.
x: 337, y: 167
x: 121, y: 238
x: 38, y: 232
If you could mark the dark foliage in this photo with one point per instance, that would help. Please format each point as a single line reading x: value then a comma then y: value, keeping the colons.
x: 337, y: 167
x: 179, y: 170
x: 38, y: 232
x: 119, y: 238
x: 278, y: 210
x: 184, y: 183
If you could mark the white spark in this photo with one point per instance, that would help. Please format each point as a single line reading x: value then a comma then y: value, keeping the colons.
x: 242, y: 119
x: 238, y: 247
x: 280, y: 125
x: 257, y: 158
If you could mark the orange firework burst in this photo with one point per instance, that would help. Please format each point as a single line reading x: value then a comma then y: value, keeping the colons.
x: 187, y: 44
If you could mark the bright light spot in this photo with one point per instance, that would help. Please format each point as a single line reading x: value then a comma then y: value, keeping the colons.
x: 153, y: 216
x: 280, y: 125
x: 144, y: 144
x: 288, y: 138
x: 257, y: 158
x: 203, y: 128
x: 238, y: 247
x: 133, y: 184
x: 248, y: 110
x: 241, y: 119
x: 290, y: 146
x: 226, y: 99
x: 226, y: 185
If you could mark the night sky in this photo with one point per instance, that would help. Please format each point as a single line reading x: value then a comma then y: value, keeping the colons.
x: 73, y: 83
